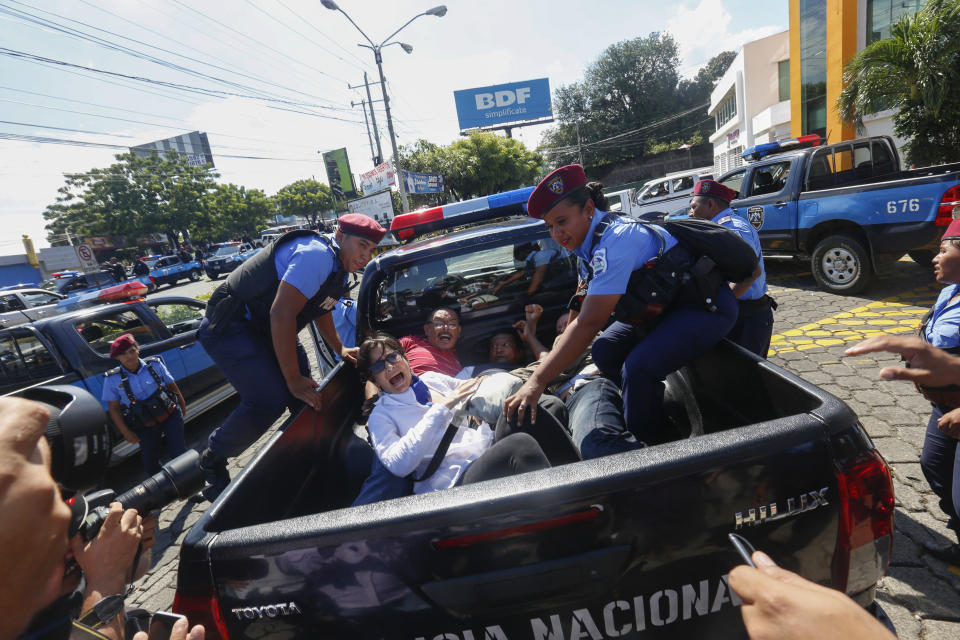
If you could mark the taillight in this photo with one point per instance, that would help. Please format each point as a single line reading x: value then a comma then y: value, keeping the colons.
x: 865, y: 531
x: 950, y: 199
x: 205, y: 610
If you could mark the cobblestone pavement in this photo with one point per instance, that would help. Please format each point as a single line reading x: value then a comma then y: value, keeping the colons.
x: 921, y: 595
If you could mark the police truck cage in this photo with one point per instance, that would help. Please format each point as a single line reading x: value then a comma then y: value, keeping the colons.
x: 752, y: 154
x: 508, y: 204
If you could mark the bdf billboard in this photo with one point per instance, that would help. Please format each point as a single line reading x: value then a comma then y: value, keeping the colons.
x: 503, y: 103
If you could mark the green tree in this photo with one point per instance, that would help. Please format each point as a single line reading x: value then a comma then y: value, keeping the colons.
x: 233, y: 211
x: 634, y: 84
x: 305, y: 198
x: 134, y: 197
x: 478, y: 165
x: 914, y: 71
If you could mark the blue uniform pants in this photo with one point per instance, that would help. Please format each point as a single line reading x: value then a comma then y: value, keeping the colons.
x: 639, y: 364
x: 940, y: 462
x: 752, y: 331
x: 172, y: 430
x: 249, y: 363
x: 596, y: 420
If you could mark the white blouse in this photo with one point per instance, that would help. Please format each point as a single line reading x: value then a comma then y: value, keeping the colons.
x: 405, y: 435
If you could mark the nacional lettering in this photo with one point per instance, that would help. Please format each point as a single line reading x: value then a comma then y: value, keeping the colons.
x: 617, y: 618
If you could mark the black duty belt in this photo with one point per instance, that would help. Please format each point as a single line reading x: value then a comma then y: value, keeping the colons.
x: 760, y: 305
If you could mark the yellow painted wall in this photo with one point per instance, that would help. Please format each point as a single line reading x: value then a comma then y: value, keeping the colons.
x: 841, y: 47
x: 796, y: 113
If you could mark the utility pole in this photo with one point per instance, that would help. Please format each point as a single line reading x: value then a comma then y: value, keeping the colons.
x: 393, y: 136
x: 373, y: 117
x: 366, y: 121
x: 579, y: 145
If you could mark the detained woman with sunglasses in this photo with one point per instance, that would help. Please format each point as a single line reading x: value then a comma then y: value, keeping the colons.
x: 409, y: 426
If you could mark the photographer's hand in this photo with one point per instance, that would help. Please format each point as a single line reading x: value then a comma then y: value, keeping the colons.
x: 179, y: 632
x: 147, y: 542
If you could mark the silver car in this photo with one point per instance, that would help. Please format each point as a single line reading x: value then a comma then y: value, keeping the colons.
x: 20, y: 306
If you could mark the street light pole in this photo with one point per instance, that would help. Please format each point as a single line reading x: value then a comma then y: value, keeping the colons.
x: 393, y: 136
x: 438, y: 11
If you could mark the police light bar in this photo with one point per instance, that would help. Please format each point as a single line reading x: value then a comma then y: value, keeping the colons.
x: 127, y: 291
x: 500, y: 205
x: 752, y: 154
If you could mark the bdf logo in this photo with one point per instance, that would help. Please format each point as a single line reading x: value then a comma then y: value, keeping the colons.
x: 502, y: 98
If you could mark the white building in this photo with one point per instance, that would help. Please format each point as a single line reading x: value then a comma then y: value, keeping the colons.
x: 751, y: 103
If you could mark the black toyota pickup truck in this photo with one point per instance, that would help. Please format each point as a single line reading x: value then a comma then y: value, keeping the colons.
x: 630, y: 545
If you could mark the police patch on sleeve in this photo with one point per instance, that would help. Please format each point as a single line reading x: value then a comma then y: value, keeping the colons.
x: 598, y: 264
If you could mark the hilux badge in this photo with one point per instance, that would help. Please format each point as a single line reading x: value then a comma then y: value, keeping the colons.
x: 763, y: 513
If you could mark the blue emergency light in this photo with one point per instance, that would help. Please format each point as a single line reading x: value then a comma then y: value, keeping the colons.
x: 756, y: 152
x: 499, y: 205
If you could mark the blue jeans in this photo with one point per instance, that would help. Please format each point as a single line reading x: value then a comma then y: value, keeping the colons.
x: 596, y: 420
x: 172, y: 429
x: 381, y: 484
x: 640, y: 363
x: 249, y: 363
x: 940, y: 462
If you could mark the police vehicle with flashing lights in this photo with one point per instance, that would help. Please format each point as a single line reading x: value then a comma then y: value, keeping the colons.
x: 74, y: 349
x: 226, y: 257
x: 630, y: 545
x: 847, y: 207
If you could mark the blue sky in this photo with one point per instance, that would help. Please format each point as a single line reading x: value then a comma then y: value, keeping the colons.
x: 299, y: 51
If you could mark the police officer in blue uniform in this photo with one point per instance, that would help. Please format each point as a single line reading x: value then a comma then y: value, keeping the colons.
x: 711, y: 201
x: 251, y: 325
x: 627, y: 263
x: 144, y: 402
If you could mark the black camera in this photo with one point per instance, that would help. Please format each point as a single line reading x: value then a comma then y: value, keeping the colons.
x: 80, y: 447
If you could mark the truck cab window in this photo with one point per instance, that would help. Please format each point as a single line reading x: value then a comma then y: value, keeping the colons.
x: 771, y: 178
x: 99, y: 332
x: 820, y: 175
x: 735, y: 180
x: 10, y: 303
x: 179, y: 318
x: 882, y: 159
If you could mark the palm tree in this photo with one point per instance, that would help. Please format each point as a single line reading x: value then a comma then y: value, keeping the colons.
x: 916, y: 70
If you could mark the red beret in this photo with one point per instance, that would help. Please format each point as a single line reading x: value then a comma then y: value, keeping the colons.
x: 357, y: 224
x: 714, y: 189
x: 121, y: 344
x: 953, y: 231
x: 554, y: 188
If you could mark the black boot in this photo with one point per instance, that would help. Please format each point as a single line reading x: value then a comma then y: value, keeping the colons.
x: 948, y: 553
x: 215, y: 470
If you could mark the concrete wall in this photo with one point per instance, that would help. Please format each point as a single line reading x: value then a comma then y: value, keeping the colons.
x: 654, y: 166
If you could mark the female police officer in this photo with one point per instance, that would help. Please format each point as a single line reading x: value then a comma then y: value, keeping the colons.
x: 251, y: 327
x: 144, y: 401
x: 619, y: 254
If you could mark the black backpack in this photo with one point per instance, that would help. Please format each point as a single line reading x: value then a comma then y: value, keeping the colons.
x: 734, y: 257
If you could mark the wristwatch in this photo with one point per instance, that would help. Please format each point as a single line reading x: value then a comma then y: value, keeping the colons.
x: 103, y: 612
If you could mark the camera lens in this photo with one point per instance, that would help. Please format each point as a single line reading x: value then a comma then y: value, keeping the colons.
x: 77, y: 432
x: 179, y: 478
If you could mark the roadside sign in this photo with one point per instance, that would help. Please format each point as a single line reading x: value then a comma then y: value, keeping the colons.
x: 379, y: 206
x: 422, y: 182
x: 88, y: 261
x: 485, y: 107
x: 378, y: 179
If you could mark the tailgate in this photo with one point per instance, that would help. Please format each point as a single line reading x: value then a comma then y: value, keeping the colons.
x: 629, y: 544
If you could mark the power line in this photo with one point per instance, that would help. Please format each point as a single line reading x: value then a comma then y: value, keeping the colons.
x: 42, y: 126
x: 364, y: 65
x: 174, y: 85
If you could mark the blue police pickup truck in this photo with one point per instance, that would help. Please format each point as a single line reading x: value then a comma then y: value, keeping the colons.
x: 847, y: 207
x: 73, y: 348
x: 171, y: 269
x: 632, y: 545
x: 226, y: 257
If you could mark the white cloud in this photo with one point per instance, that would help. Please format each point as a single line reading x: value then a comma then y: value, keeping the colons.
x: 704, y: 30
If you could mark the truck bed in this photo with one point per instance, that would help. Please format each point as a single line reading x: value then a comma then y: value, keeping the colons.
x: 628, y: 544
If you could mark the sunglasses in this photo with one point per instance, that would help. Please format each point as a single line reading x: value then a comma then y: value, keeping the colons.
x: 391, y: 358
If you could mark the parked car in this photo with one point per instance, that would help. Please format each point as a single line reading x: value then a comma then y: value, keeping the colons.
x: 658, y: 196
x: 634, y: 544
x: 73, y: 348
x: 18, y: 306
x: 846, y: 207
x: 171, y: 269
x: 226, y: 257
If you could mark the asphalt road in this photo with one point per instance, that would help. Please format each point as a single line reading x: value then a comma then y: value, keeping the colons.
x: 921, y: 595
